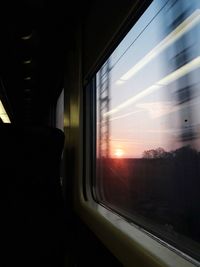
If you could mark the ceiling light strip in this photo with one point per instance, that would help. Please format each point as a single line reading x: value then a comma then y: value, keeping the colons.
x: 184, y: 27
x: 177, y: 74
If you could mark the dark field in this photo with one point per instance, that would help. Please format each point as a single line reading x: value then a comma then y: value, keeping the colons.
x: 163, y: 191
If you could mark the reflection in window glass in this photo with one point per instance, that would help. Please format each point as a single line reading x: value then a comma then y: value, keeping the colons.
x: 60, y: 111
x: 148, y: 124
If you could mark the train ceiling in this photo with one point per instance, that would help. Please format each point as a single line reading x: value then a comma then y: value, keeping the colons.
x: 34, y: 37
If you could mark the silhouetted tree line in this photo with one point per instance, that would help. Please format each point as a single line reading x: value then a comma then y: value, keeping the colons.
x: 160, y: 153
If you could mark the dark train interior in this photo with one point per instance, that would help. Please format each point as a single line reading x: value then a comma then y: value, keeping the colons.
x: 37, y: 49
x: 46, y: 48
x: 37, y: 83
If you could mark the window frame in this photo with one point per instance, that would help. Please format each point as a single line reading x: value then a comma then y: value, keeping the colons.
x: 102, y: 218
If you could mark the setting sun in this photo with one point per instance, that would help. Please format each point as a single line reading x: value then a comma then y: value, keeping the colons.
x: 119, y: 152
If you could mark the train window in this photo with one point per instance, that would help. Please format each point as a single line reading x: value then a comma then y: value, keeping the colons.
x: 148, y: 125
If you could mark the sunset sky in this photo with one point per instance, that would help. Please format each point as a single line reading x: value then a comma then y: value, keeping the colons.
x: 144, y: 113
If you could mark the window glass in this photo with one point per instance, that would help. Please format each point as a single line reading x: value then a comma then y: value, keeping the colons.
x: 148, y: 124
